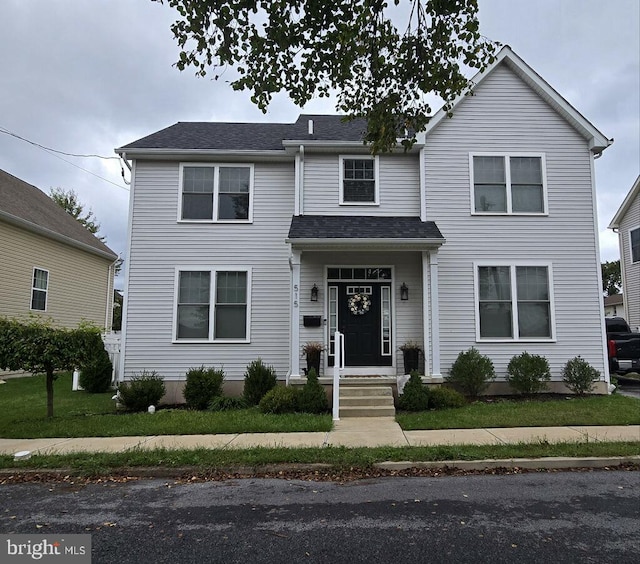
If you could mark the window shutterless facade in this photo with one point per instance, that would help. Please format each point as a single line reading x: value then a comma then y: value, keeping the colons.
x: 508, y: 184
x: 212, y: 305
x: 39, y: 289
x: 358, y: 180
x: 514, y: 302
x: 634, y: 244
x: 216, y: 193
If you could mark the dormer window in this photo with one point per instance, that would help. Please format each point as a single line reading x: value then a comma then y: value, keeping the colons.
x: 358, y: 180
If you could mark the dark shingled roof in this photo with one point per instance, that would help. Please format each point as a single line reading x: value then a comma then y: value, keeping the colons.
x: 362, y: 227
x: 250, y: 136
x: 29, y: 204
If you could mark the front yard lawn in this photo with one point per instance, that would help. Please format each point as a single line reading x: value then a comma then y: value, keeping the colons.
x: 79, y: 414
x: 593, y: 410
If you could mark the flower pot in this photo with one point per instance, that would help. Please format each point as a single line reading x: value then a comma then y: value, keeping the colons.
x: 313, y: 361
x: 411, y: 359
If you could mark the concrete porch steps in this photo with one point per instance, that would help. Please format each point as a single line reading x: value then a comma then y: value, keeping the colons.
x: 366, y: 401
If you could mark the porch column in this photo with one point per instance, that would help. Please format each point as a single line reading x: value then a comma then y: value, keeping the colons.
x: 294, y: 264
x: 435, y: 317
x: 426, y: 323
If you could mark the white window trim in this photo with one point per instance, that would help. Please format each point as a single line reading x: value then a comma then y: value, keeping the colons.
x: 376, y: 178
x: 46, y: 290
x: 212, y: 294
x: 216, y: 166
x: 514, y: 301
x: 631, y: 261
x: 506, y: 157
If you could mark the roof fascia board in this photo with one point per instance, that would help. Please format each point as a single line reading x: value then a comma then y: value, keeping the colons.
x: 597, y: 140
x: 626, y: 204
x: 379, y: 243
x: 39, y: 230
x: 132, y: 153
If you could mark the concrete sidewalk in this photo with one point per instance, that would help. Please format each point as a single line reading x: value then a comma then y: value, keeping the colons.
x: 348, y: 432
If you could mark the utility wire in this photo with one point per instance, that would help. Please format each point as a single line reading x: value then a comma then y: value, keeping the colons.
x: 55, y: 153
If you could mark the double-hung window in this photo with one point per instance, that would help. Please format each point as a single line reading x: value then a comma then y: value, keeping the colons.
x: 212, y: 305
x: 39, y: 289
x: 514, y: 302
x: 634, y: 242
x: 508, y: 184
x: 216, y: 192
x: 358, y: 180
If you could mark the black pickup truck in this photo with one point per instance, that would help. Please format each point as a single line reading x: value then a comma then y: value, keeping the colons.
x: 623, y: 346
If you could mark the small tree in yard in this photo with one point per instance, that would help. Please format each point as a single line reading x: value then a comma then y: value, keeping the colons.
x: 579, y: 376
x: 528, y: 373
x: 37, y: 347
x: 471, y: 372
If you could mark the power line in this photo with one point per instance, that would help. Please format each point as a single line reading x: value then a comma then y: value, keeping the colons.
x: 55, y: 153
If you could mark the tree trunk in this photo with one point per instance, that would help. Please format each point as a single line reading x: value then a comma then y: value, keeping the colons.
x: 49, y: 392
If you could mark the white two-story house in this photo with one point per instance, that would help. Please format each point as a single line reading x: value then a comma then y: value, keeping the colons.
x: 249, y: 240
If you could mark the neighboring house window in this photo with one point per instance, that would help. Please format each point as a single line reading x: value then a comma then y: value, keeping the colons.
x: 634, y: 237
x: 39, y: 289
x: 514, y: 302
x: 508, y: 184
x: 216, y: 192
x: 359, y: 180
x: 212, y: 305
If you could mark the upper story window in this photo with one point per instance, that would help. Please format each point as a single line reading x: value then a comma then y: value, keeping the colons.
x: 39, y: 289
x: 216, y: 193
x: 358, y: 180
x: 634, y: 239
x: 508, y: 184
x: 514, y: 302
x: 212, y: 305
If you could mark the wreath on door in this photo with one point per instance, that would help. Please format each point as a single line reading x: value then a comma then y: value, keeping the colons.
x: 359, y: 304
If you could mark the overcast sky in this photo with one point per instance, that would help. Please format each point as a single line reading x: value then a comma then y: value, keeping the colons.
x: 86, y: 76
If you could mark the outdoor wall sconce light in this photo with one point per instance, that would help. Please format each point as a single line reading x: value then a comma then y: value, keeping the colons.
x: 314, y: 293
x: 404, y: 292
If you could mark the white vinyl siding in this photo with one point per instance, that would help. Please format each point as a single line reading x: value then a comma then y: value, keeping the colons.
x: 160, y: 246
x: 216, y: 192
x: 506, y: 117
x: 39, y: 289
x: 629, y: 224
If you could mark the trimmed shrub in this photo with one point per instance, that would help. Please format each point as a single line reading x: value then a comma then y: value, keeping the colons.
x: 471, y: 372
x: 226, y: 403
x: 312, y: 397
x: 258, y: 380
x: 445, y: 398
x: 528, y: 373
x: 281, y: 399
x: 141, y: 391
x: 203, y: 384
x: 96, y: 372
x: 415, y: 395
x: 578, y: 375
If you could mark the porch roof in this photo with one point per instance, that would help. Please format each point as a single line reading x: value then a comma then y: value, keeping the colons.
x: 323, y: 231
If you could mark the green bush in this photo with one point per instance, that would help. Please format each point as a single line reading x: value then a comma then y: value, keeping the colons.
x: 258, y: 380
x: 141, y: 391
x: 528, y: 373
x: 226, y: 403
x: 312, y: 397
x: 471, y: 372
x: 96, y: 372
x: 445, y: 398
x: 281, y: 399
x: 578, y: 375
x: 415, y: 395
x: 202, y: 385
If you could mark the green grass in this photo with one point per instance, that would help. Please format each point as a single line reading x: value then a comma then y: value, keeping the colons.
x: 341, y: 458
x: 79, y: 414
x: 594, y: 410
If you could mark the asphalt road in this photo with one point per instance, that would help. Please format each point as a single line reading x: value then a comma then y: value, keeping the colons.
x: 546, y: 517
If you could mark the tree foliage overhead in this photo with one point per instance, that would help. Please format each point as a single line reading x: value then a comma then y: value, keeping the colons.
x: 313, y: 48
x: 611, y: 278
x: 68, y: 201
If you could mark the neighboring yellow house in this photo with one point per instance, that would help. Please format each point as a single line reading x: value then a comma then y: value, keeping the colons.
x: 50, y: 265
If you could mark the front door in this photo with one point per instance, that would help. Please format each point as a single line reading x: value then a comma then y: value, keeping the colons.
x: 364, y: 319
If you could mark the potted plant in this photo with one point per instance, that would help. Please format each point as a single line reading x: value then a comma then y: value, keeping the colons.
x: 411, y: 356
x: 312, y: 351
